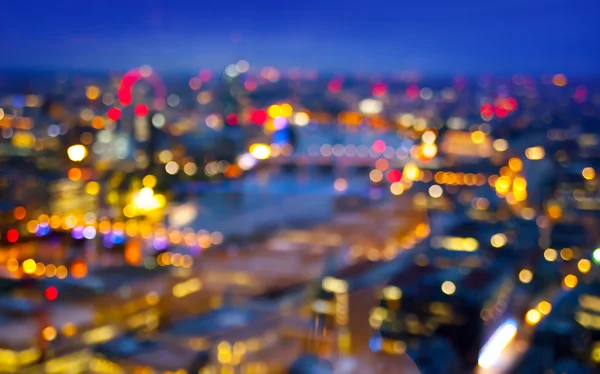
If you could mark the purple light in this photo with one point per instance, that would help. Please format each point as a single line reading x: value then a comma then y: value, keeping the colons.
x: 77, y: 232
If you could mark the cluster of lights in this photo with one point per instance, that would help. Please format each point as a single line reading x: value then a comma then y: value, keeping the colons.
x: 534, y: 316
x: 175, y: 259
x: 39, y: 269
x: 459, y: 179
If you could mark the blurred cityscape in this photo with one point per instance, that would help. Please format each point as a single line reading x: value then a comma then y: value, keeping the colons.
x: 261, y: 220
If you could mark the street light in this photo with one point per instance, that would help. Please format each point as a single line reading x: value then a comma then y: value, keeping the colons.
x: 77, y: 152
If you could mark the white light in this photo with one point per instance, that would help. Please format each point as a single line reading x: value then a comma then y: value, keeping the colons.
x: 490, y: 353
x: 173, y: 100
x: 158, y: 120
x: 260, y: 151
x: 89, y: 232
x: 172, y: 167
x: 301, y: 119
x: 77, y: 152
x: 246, y: 161
x: 370, y: 106
x: 231, y: 71
x: 242, y: 66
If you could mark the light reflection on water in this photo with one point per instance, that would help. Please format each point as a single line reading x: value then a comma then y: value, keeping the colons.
x: 267, y: 199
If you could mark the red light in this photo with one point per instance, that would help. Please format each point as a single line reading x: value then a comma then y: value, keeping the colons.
x: 140, y: 110
x: 378, y: 146
x: 501, y: 111
x: 250, y: 84
x: 258, y: 117
x: 114, y: 114
x: 487, y: 110
x: 379, y: 89
x: 12, y: 235
x: 412, y: 91
x: 510, y: 104
x: 51, y: 293
x: 334, y: 85
x: 394, y: 176
x: 232, y: 119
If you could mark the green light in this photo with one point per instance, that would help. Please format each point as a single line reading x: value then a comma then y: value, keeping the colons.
x: 596, y: 255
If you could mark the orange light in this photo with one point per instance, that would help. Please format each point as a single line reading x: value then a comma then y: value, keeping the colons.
x: 19, y: 212
x: 571, y: 281
x: 133, y: 252
x: 79, y: 269
x: 554, y: 211
x: 559, y: 80
x: 74, y: 174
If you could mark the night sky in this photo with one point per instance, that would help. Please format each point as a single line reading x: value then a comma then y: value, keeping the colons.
x: 432, y: 37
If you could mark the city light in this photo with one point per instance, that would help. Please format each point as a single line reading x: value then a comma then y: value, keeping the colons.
x: 525, y: 276
x: 77, y: 152
x: 500, y: 339
x: 533, y: 317
x: 260, y: 151
x: 448, y: 288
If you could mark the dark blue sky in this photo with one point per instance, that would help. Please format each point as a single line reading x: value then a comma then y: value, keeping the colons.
x: 433, y: 37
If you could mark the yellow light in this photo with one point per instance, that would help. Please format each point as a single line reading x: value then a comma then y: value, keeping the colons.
x: 69, y: 329
x: 286, y: 110
x: 550, y: 254
x: 588, y: 173
x: 376, y: 176
x: 411, y: 171
x: 29, y: 266
x: 152, y: 298
x: 397, y: 188
x: 49, y: 333
x: 500, y: 145
x: 584, y: 265
x: 519, y: 184
x: 533, y: 317
x: 149, y: 181
x: 429, y: 150
x: 545, y: 307
x: 502, y: 184
x: 554, y: 211
x: 448, y: 288
x: 260, y: 151
x: 478, y: 137
x: 525, y: 276
x: 392, y: 293
x: 99, y: 335
x: 92, y: 92
x: 515, y: 164
x: 92, y: 188
x: 190, y: 168
x: 535, y: 153
x: 566, y: 254
x: 571, y: 281
x: 274, y: 111
x: 50, y: 270
x: 334, y: 285
x: 77, y: 152
x: 435, y: 191
x: 61, y: 272
x: 498, y: 240
x: 165, y: 156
